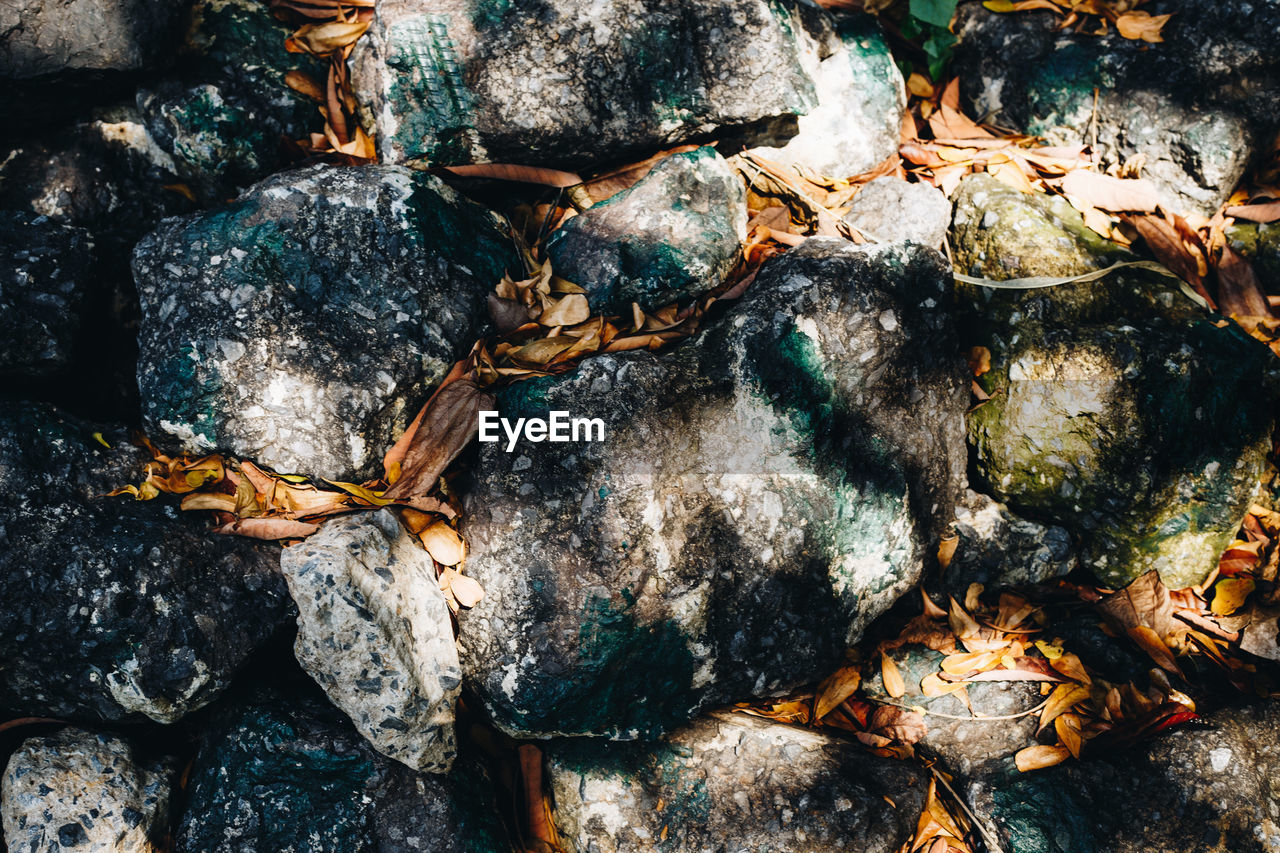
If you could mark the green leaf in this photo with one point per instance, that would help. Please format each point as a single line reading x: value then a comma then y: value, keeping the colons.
x: 936, y: 12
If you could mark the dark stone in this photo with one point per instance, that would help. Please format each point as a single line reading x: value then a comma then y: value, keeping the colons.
x: 1260, y: 244
x: 115, y: 609
x: 286, y: 771
x: 732, y: 782
x: 44, y: 273
x: 762, y: 493
x: 998, y: 549
x: 302, y: 325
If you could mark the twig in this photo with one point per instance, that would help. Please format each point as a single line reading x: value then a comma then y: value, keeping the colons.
x: 976, y: 717
x: 992, y: 843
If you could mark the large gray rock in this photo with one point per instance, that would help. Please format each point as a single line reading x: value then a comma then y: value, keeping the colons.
x: 891, y: 209
x: 675, y: 234
x: 302, y: 325
x: 998, y: 549
x: 1197, y: 105
x: 41, y: 39
x: 76, y: 790
x: 732, y: 782
x: 1120, y: 411
x: 761, y: 494
x: 225, y: 111
x: 44, y: 273
x: 285, y: 771
x: 114, y: 609
x: 1187, y: 791
x: 374, y: 631
x: 571, y: 82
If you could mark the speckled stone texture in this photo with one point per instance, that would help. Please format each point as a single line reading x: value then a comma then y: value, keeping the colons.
x: 572, y: 82
x: 1103, y: 393
x: 223, y: 112
x: 1197, y: 105
x: 302, y: 325
x: 76, y: 790
x: 44, y: 273
x: 1190, y: 790
x: 115, y: 609
x: 732, y: 782
x: 763, y: 492
x: 998, y: 549
x: 374, y: 631
x: 285, y: 771
x: 1260, y: 243
x: 890, y: 209
x: 675, y: 234
x: 861, y: 96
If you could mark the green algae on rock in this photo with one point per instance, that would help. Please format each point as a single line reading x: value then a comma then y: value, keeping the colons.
x: 1260, y: 244
x: 675, y: 234
x: 302, y: 325
x: 731, y: 782
x: 1120, y: 410
x: 781, y: 475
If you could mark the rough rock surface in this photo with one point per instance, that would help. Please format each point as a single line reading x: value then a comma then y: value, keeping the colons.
x: 52, y: 38
x: 76, y: 790
x: 115, y: 609
x: 223, y: 114
x: 997, y: 548
x: 1261, y: 245
x: 1195, y: 105
x: 781, y: 476
x: 891, y: 209
x: 861, y: 97
x: 374, y: 631
x: 301, y: 325
x: 285, y: 771
x: 1103, y: 393
x: 675, y: 234
x: 732, y: 782
x: 1187, y: 791
x: 571, y: 82
x: 44, y: 272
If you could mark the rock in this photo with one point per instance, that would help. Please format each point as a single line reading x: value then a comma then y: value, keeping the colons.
x: 732, y: 782
x: 674, y: 235
x: 1186, y: 790
x: 225, y: 112
x: 570, y: 83
x: 115, y: 609
x: 374, y: 631
x: 1195, y: 106
x: 861, y: 97
x: 780, y: 476
x: 1104, y: 395
x: 302, y: 325
x: 76, y: 790
x: 999, y: 232
x: 44, y: 272
x: 998, y: 549
x: 890, y: 209
x: 1260, y: 244
x: 286, y: 771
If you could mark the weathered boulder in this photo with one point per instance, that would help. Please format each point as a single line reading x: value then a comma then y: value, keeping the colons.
x: 44, y: 273
x: 114, y: 609
x: 860, y: 93
x: 761, y: 494
x: 572, y: 83
x: 225, y: 111
x: 890, y: 209
x: 285, y: 771
x: 997, y: 548
x: 675, y: 234
x: 1201, y: 789
x: 301, y: 325
x: 732, y: 782
x: 76, y: 790
x: 374, y: 631
x: 1196, y: 106
x: 1120, y: 411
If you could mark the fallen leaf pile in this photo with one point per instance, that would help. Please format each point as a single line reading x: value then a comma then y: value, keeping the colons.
x: 328, y: 30
x: 1094, y: 17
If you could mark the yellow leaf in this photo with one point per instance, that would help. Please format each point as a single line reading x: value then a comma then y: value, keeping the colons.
x: 1061, y: 700
x: 932, y: 686
x: 97, y: 436
x: 1229, y: 594
x: 1052, y: 651
x: 443, y: 544
x: 1071, y: 666
x: 1068, y: 728
x: 962, y: 624
x: 224, y: 503
x: 370, y: 497
x: 1039, y: 757
x: 1141, y: 26
x: 321, y: 39
x: 465, y: 590
x: 836, y: 688
x: 893, y: 683
x: 568, y: 310
x: 947, y: 550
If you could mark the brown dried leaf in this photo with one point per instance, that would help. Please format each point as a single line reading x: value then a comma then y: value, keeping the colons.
x: 1264, y: 212
x: 443, y: 544
x: 836, y: 688
x: 446, y: 425
x: 1108, y: 193
x: 323, y: 39
x: 1239, y: 291
x: 1061, y: 700
x: 1040, y: 756
x: 893, y: 683
x: 268, y: 528
x: 898, y: 724
x: 519, y: 174
x: 1143, y: 26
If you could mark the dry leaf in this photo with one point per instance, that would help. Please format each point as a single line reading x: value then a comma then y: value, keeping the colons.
x: 519, y: 174
x: 1108, y: 193
x: 1229, y: 595
x: 836, y: 688
x: 443, y: 544
x: 444, y: 427
x: 1239, y: 291
x: 1139, y: 25
x: 466, y: 591
x: 1263, y: 212
x: 268, y: 528
x: 1061, y: 700
x: 893, y: 683
x: 1039, y: 757
x: 323, y: 39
